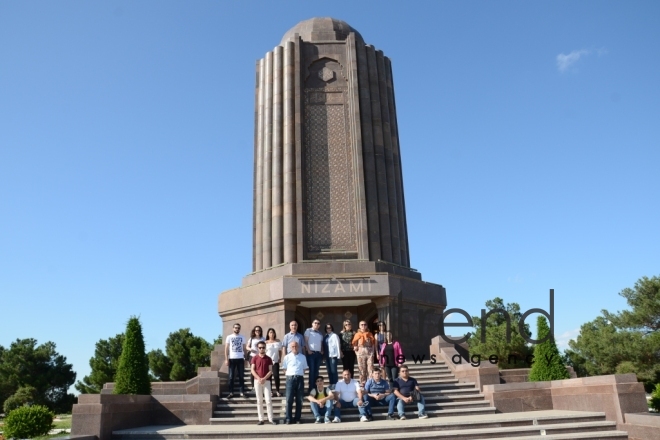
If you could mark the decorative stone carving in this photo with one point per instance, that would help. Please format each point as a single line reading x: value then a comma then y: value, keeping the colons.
x: 331, y: 224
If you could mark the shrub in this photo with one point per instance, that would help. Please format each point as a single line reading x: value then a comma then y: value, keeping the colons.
x: 654, y: 403
x: 28, y: 422
x: 23, y: 396
x: 548, y: 363
x: 133, y: 369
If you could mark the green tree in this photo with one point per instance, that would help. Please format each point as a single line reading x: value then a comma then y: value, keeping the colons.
x: 655, y: 398
x: 133, y: 369
x: 23, y: 396
x: 548, y: 363
x: 515, y: 351
x: 185, y: 352
x: 160, y: 365
x: 623, y: 342
x: 104, y: 365
x: 26, y: 364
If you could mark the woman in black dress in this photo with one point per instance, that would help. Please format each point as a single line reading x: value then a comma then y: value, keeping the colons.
x: 347, y: 349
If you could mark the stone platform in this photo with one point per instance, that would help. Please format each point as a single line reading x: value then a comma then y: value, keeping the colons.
x: 537, y: 425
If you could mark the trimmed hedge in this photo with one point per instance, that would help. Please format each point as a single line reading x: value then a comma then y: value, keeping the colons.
x: 28, y: 422
x: 133, y: 369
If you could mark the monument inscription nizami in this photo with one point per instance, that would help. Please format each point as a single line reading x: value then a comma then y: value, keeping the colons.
x: 330, y: 237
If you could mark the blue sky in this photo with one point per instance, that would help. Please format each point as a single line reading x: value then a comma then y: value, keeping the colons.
x: 529, y: 135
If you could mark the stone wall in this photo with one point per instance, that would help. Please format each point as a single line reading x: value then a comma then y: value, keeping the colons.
x: 615, y: 395
x: 100, y: 414
x: 643, y: 426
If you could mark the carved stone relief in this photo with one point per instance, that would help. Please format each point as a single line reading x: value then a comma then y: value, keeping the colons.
x: 330, y: 213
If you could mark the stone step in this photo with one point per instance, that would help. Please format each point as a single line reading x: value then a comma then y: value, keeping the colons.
x: 430, y: 389
x: 416, y: 375
x: 425, y: 382
x: 226, y: 411
x: 351, y: 415
x: 564, y: 431
x: 430, y: 398
x: 479, y: 425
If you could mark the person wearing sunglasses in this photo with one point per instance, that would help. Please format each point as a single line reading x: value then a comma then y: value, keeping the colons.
x: 261, y: 367
x: 235, y: 359
x: 256, y: 336
x: 347, y: 350
x: 364, y: 344
x: 333, y: 353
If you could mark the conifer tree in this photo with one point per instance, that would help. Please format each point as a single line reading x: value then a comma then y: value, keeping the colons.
x: 133, y: 370
x: 548, y: 363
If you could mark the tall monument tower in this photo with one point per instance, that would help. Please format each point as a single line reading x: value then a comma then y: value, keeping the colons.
x: 330, y: 237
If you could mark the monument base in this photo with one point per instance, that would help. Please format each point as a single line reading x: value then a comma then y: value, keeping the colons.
x: 333, y: 291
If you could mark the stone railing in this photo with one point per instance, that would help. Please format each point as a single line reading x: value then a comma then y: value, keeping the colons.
x: 484, y: 374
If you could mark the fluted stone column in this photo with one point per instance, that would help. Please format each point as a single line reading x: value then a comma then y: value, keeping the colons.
x: 268, y: 163
x: 259, y: 159
x: 277, y: 182
x: 289, y: 202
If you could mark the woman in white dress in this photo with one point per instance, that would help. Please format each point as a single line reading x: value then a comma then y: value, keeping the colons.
x: 273, y: 351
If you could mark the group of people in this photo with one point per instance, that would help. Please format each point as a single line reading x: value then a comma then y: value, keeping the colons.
x: 390, y: 385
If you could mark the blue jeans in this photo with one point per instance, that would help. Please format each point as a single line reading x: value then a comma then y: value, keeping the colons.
x: 331, y: 365
x: 390, y: 401
x: 400, y: 406
x: 364, y: 409
x: 314, y: 362
x: 236, y: 368
x: 294, y: 389
x: 325, y: 410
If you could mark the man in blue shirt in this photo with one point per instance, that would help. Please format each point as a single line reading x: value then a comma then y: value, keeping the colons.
x: 379, y: 393
x: 294, y: 364
x: 314, y: 349
x: 404, y: 389
x: 292, y: 336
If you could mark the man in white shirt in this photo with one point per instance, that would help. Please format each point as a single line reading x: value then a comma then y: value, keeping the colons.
x: 349, y: 395
x: 314, y: 349
x: 294, y: 364
x: 235, y: 359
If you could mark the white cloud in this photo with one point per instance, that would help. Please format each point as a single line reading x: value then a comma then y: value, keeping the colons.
x: 566, y: 61
x: 562, y: 340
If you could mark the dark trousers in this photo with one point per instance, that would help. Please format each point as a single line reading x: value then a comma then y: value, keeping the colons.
x: 294, y: 389
x: 349, y: 361
x: 276, y: 376
x: 314, y: 362
x: 236, y: 368
x: 331, y: 366
x: 392, y: 373
x: 389, y: 401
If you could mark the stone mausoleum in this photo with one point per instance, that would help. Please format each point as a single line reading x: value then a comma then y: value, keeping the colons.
x: 330, y: 234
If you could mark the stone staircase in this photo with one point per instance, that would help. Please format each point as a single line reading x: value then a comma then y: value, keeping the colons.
x: 457, y: 411
x: 444, y: 396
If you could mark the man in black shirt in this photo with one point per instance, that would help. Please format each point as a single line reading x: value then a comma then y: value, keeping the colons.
x: 404, y: 388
